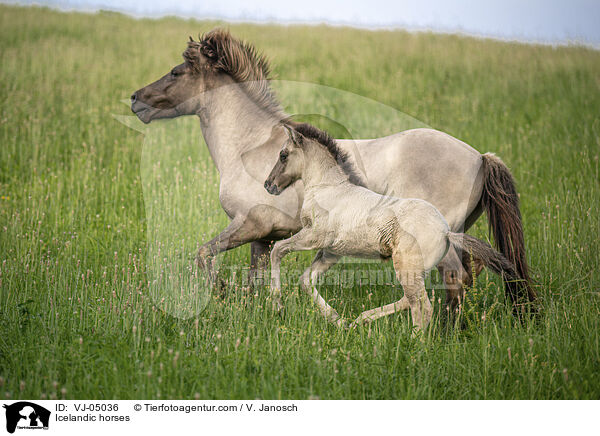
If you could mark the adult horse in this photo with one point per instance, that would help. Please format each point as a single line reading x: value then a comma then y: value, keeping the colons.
x: 225, y: 83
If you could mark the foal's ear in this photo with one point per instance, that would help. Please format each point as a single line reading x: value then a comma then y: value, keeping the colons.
x: 294, y: 136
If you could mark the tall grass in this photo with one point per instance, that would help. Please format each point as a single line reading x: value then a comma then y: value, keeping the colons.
x: 78, y: 317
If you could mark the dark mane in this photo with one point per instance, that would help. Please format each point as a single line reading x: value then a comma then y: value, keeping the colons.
x: 340, y: 156
x: 241, y: 61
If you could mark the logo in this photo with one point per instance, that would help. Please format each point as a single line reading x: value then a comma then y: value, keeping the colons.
x: 26, y: 415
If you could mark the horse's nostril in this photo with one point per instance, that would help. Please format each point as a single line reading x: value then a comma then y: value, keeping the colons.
x: 133, y: 98
x: 267, y: 185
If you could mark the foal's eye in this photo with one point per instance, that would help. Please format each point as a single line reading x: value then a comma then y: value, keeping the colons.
x: 283, y: 156
x: 174, y: 73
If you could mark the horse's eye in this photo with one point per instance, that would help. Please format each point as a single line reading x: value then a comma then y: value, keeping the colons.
x: 174, y: 73
x: 283, y: 156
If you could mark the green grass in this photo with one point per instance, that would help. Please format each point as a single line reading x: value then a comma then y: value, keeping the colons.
x: 78, y: 318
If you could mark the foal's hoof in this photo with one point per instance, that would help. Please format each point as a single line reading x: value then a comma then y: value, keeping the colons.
x: 355, y: 324
x: 276, y: 305
x: 342, y: 323
x: 418, y: 334
x: 358, y: 322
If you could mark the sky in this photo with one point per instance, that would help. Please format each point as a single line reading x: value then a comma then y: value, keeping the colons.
x: 549, y: 21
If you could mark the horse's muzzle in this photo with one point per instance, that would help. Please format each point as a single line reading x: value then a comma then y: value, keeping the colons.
x: 272, y: 188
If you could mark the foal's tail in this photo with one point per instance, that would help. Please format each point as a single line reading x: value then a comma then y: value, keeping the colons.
x: 514, y: 282
x: 501, y: 203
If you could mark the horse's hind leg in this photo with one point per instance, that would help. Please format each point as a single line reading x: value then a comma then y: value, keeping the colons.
x: 472, y: 266
x: 410, y: 273
x: 455, y: 277
x: 457, y: 272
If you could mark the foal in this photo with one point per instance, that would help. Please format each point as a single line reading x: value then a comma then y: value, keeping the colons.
x: 345, y: 219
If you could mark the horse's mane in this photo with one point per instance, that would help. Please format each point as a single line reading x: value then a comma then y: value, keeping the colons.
x: 340, y: 156
x: 241, y: 61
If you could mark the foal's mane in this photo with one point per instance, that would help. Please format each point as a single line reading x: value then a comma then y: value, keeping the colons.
x: 340, y: 156
x: 241, y: 61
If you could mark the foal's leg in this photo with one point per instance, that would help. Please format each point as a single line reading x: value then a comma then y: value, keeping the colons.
x: 320, y: 265
x: 414, y: 287
x: 308, y: 282
x: 322, y: 262
x: 301, y: 241
x: 410, y: 273
x: 379, y: 312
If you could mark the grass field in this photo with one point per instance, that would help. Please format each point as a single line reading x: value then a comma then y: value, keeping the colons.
x: 76, y: 316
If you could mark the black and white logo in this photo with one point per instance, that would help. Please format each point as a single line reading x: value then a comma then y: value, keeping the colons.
x: 26, y: 415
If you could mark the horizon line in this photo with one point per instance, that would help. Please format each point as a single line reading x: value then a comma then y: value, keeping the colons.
x: 458, y: 31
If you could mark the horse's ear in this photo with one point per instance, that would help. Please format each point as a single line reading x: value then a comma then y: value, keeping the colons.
x: 210, y: 52
x: 191, y: 39
x: 212, y: 45
x: 294, y: 136
x: 288, y: 130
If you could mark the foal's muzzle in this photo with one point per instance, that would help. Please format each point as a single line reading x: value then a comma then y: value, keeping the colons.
x: 272, y: 188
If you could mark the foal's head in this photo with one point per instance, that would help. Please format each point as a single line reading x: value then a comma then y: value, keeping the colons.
x: 290, y: 163
x: 302, y: 139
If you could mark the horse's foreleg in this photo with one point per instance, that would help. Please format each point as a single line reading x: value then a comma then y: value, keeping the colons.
x: 308, y: 282
x: 240, y: 231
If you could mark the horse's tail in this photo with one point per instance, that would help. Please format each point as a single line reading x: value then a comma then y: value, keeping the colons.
x: 513, y: 281
x: 501, y: 203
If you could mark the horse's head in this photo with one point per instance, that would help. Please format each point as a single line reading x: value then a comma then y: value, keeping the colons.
x: 290, y: 164
x: 180, y: 91
x: 216, y: 60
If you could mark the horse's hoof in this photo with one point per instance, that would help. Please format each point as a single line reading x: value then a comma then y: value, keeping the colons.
x: 221, y: 288
x: 204, y: 261
x: 201, y: 262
